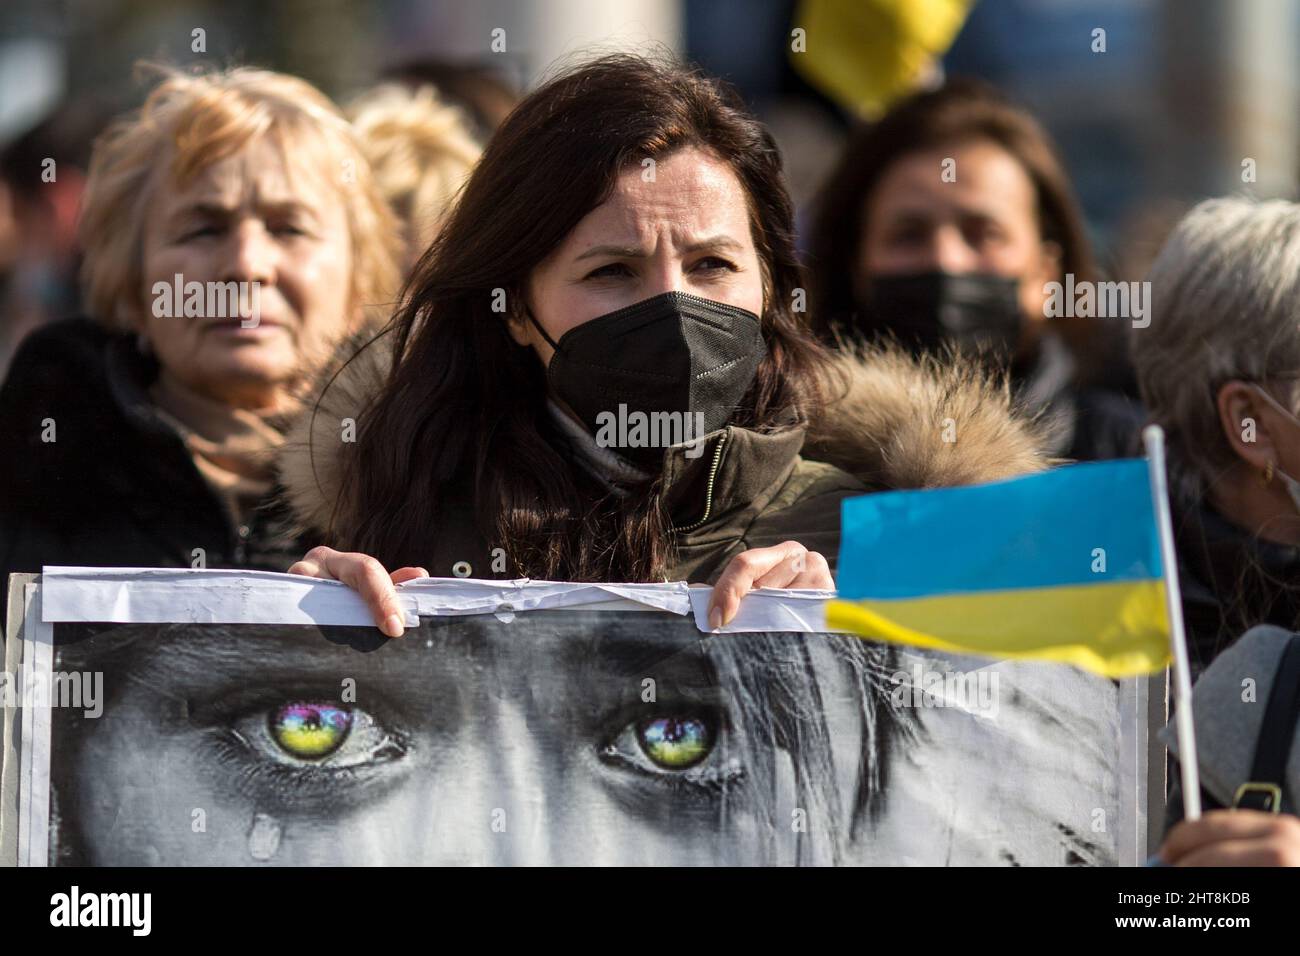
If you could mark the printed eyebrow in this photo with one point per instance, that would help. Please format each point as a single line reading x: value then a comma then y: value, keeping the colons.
x: 620, y: 652
x: 211, y: 654
x: 182, y: 662
x: 250, y: 659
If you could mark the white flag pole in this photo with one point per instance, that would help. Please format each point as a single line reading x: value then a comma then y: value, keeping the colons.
x: 1153, y: 437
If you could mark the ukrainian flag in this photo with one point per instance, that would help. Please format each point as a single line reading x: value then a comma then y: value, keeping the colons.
x: 1059, y: 566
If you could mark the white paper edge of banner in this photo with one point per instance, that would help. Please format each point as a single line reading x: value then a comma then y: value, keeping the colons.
x: 437, y: 596
x: 769, y: 609
x: 213, y: 596
x: 34, y: 778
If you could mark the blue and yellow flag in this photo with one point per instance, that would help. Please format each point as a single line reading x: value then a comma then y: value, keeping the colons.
x: 1059, y: 566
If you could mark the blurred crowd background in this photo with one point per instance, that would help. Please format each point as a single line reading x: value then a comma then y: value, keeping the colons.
x: 177, y: 452
x: 1158, y: 112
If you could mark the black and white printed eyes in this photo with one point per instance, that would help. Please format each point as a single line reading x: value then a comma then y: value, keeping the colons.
x: 307, y: 746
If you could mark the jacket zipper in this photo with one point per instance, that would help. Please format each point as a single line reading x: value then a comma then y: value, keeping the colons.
x: 708, y: 493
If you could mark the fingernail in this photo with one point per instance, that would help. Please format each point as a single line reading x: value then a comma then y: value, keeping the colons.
x: 393, y: 625
x: 715, y: 618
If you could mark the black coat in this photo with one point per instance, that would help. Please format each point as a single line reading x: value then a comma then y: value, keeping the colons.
x: 1231, y: 580
x: 116, y: 486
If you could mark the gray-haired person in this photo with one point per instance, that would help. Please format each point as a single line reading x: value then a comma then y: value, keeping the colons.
x: 1218, y: 367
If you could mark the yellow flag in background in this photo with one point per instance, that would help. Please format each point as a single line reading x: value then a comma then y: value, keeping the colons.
x: 864, y: 54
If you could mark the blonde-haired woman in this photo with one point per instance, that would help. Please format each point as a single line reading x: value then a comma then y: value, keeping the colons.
x: 421, y: 150
x: 232, y: 234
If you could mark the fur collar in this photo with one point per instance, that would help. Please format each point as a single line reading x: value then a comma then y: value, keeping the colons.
x: 900, y: 422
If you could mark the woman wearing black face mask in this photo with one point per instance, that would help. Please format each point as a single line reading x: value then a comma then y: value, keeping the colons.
x: 940, y: 228
x: 597, y: 374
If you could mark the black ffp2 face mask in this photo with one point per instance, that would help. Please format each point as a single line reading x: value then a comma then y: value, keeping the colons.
x: 674, y: 353
x: 924, y: 311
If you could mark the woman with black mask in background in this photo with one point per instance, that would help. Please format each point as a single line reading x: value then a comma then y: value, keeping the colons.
x: 940, y: 228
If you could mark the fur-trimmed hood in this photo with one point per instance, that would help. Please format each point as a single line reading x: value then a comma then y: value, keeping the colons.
x: 893, y: 422
x: 896, y: 421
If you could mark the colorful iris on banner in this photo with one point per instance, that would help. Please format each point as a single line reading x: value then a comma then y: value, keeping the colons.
x: 675, y: 742
x: 310, y: 731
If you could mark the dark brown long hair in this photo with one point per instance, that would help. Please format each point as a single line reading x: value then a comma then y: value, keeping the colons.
x: 464, y: 407
x: 960, y: 111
